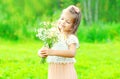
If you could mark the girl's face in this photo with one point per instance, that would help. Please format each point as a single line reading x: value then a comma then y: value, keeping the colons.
x: 66, y: 22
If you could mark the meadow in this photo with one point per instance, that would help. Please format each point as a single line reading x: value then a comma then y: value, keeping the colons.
x: 98, y: 33
x: 19, y: 60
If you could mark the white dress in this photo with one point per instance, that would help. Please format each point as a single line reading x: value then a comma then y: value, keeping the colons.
x: 63, y: 45
x: 62, y: 67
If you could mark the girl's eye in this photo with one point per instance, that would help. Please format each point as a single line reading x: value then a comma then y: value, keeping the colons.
x: 68, y: 22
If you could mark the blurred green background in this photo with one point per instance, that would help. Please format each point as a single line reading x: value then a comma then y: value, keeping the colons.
x: 99, y: 36
x: 100, y: 18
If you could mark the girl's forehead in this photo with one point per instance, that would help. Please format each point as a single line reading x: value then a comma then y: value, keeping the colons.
x: 67, y: 15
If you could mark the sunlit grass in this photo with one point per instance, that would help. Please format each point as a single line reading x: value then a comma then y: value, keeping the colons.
x: 98, y: 61
x: 19, y: 60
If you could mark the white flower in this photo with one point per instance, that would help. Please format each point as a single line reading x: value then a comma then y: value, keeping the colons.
x: 47, y: 35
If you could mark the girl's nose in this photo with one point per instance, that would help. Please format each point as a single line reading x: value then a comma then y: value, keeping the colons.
x: 63, y: 22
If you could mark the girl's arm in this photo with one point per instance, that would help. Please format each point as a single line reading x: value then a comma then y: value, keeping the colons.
x: 64, y: 53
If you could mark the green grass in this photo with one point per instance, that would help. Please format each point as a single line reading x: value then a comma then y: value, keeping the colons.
x: 19, y: 60
x: 98, y: 61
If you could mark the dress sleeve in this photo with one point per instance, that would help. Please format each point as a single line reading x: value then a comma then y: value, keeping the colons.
x: 73, y: 39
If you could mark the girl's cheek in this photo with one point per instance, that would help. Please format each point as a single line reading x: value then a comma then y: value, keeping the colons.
x: 58, y: 23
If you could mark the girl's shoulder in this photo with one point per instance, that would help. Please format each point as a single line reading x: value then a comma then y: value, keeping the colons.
x: 73, y: 39
x: 72, y: 36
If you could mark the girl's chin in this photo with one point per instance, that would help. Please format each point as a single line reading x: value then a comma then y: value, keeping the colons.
x: 60, y: 26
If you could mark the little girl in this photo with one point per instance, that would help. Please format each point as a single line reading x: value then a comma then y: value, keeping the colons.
x: 61, y: 56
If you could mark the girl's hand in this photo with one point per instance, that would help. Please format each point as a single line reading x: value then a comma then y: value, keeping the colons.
x: 41, y: 53
x: 46, y: 51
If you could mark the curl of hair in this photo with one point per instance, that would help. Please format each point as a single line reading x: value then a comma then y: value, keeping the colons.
x: 75, y: 11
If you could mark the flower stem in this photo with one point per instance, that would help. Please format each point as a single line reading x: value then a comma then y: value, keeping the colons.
x: 43, y: 60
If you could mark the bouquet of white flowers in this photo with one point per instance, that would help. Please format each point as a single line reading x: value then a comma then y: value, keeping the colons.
x: 48, y: 36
